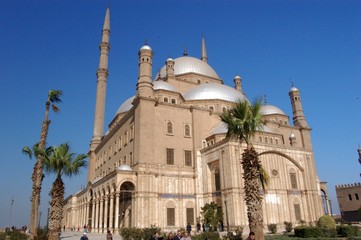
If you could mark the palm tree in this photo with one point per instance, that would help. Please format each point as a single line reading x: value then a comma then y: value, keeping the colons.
x: 60, y: 161
x: 37, y: 176
x: 243, y: 121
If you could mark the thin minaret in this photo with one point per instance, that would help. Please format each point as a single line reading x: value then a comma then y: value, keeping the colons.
x: 102, y: 75
x: 204, y: 57
x: 299, y: 118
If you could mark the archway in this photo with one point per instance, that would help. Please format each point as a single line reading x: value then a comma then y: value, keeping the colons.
x: 125, y: 204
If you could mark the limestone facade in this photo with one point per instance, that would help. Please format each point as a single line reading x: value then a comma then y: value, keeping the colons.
x: 166, y: 154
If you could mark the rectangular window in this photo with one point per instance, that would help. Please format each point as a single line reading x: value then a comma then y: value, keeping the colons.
x: 170, y: 156
x: 188, y: 158
x: 297, y: 212
x: 120, y: 143
x: 131, y: 159
x: 131, y: 132
x: 126, y: 138
x: 125, y: 160
x: 190, y: 216
x: 170, y: 217
x: 293, y: 180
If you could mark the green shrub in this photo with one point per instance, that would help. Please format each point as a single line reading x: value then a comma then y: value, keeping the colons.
x: 288, y: 226
x: 272, y: 228
x: 231, y: 236
x: 14, y: 235
x: 148, y: 233
x: 42, y: 234
x: 131, y: 233
x: 208, y: 235
x: 308, y: 232
x: 329, y: 232
x: 326, y: 221
x: 347, y: 231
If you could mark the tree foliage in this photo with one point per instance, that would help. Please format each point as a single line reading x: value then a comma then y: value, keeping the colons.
x: 212, y: 214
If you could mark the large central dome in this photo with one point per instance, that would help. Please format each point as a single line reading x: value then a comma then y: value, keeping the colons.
x: 188, y: 64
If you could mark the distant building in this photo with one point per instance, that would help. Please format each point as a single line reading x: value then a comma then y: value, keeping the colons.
x: 349, y: 201
x: 165, y: 153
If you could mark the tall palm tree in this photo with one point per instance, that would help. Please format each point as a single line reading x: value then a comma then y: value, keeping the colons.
x: 243, y: 121
x: 62, y: 162
x: 37, y: 176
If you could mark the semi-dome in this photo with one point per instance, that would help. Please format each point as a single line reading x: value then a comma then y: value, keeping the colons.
x: 188, y: 64
x: 126, y: 106
x: 221, y: 128
x: 214, y: 91
x: 270, y: 109
x: 157, y: 85
x: 125, y: 168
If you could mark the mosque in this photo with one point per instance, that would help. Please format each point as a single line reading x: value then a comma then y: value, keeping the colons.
x: 165, y: 153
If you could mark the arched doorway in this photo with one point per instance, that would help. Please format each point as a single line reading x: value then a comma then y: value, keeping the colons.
x: 125, y: 204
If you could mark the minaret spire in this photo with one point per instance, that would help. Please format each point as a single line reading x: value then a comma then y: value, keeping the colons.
x: 204, y: 51
x: 102, y: 75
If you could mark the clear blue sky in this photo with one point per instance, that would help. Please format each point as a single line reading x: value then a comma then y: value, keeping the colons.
x: 54, y: 44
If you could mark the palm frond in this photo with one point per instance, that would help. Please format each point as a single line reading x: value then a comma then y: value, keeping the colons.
x: 55, y: 108
x: 263, y: 177
x: 27, y: 151
x: 54, y: 95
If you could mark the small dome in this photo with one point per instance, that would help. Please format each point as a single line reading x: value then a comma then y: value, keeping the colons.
x: 126, y: 106
x: 170, y: 59
x: 237, y: 77
x: 293, y: 89
x: 188, y: 64
x: 125, y: 168
x: 270, y: 109
x: 145, y: 47
x: 292, y: 136
x: 221, y: 128
x: 164, y: 85
x: 214, y: 91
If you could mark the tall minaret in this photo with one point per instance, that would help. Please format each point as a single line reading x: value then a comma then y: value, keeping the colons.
x: 298, y: 116
x: 145, y: 85
x: 204, y: 51
x: 102, y: 74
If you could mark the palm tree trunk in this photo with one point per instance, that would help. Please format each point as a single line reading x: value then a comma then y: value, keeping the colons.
x: 252, y: 186
x: 37, y: 176
x: 56, y: 209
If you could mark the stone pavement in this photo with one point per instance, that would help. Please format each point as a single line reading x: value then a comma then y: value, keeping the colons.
x: 75, y: 235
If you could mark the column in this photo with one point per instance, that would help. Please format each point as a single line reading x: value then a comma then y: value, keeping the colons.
x: 111, y: 212
x: 93, y: 214
x: 101, y: 215
x: 105, y: 213
x: 96, y: 227
x: 116, y: 213
x: 87, y: 205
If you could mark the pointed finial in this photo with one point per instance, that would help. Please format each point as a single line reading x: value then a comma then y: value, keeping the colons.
x: 145, y: 41
x: 204, y: 57
x: 185, y: 53
x: 265, y: 99
x: 106, y: 25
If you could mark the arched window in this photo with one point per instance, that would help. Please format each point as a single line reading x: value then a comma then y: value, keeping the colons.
x: 350, y: 197
x: 224, y: 109
x: 187, y: 131
x: 211, y: 108
x: 170, y: 128
x: 356, y: 196
x: 165, y: 99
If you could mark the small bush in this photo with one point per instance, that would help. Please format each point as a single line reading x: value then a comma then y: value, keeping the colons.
x: 326, y: 221
x: 308, y: 232
x: 239, y: 231
x: 131, y: 233
x: 14, y: 235
x: 148, y: 233
x: 288, y: 226
x: 329, y: 232
x: 272, y: 228
x: 347, y: 231
x: 207, y: 235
